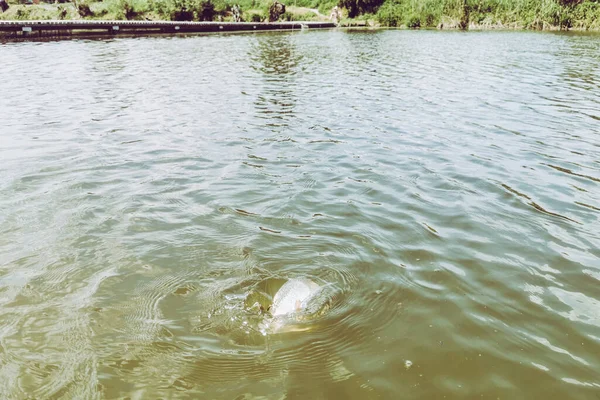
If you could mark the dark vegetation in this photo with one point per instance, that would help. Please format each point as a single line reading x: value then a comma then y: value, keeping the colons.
x: 446, y: 14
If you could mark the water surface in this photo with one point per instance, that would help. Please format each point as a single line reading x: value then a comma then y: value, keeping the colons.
x: 446, y: 184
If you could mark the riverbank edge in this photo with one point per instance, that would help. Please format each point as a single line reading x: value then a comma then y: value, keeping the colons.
x: 45, y: 12
x: 207, y: 27
x: 62, y: 29
x: 371, y: 24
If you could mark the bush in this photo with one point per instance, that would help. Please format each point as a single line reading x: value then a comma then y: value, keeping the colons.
x: 276, y: 10
x: 23, y: 14
x: 182, y: 15
x: 256, y: 17
x: 162, y: 8
x: 62, y: 12
x: 389, y: 15
x: 482, y: 6
x: 357, y: 7
x: 186, y: 10
x: 550, y: 13
x: 587, y: 15
x: 534, y: 14
x: 84, y: 10
x: 128, y: 9
x: 413, y: 22
x: 325, y: 6
x: 430, y: 20
x: 206, y: 11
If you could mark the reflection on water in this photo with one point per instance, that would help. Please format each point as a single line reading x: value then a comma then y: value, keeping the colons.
x: 278, y: 61
x: 443, y: 186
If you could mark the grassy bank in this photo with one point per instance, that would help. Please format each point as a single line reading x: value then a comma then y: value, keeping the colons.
x: 175, y: 10
x: 524, y: 14
x: 444, y: 14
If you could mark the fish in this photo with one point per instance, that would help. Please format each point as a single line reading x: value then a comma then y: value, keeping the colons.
x: 293, y: 296
x: 295, y: 303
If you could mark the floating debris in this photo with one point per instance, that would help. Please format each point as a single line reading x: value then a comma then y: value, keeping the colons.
x: 268, y: 230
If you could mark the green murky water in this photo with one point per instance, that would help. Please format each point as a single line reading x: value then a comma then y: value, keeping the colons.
x: 445, y: 185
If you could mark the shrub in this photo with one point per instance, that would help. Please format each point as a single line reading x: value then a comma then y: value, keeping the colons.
x: 62, y: 12
x: 83, y: 9
x: 535, y: 14
x: 162, y: 8
x: 256, y: 17
x: 179, y: 10
x: 276, y: 10
x: 430, y: 20
x: 206, y: 11
x: 23, y: 13
x: 413, y: 22
x: 356, y: 7
x: 389, y: 15
x: 127, y: 9
x: 550, y: 13
x: 587, y: 15
x: 182, y: 15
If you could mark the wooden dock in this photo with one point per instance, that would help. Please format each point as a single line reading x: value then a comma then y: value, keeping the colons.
x: 31, y: 30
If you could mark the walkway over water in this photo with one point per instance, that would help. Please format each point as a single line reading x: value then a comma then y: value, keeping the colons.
x: 54, y: 28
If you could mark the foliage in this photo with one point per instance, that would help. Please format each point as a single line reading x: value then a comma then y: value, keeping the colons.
x: 23, y: 14
x: 254, y: 17
x: 276, y: 10
x: 126, y: 9
x: 586, y: 15
x: 83, y: 9
x: 62, y: 12
x: 190, y: 10
x: 390, y: 15
x: 39, y: 12
x: 414, y: 22
x: 529, y: 14
x: 357, y: 7
x: 206, y: 11
x: 413, y: 14
x: 533, y: 14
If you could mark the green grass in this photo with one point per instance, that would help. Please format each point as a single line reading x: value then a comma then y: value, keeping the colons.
x: 526, y: 14
x: 419, y: 14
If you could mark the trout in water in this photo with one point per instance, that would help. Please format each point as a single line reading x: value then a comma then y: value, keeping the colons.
x: 295, y: 301
x: 293, y: 296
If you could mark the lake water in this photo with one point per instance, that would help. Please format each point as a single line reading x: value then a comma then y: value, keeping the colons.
x: 444, y: 185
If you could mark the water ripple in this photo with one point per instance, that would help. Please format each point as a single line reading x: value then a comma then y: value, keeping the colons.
x: 444, y: 185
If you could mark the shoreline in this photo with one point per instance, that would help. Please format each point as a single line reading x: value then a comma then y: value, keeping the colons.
x: 513, y: 27
x: 35, y: 30
x: 64, y: 29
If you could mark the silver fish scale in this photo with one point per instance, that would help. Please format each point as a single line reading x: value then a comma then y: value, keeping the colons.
x: 293, y: 296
